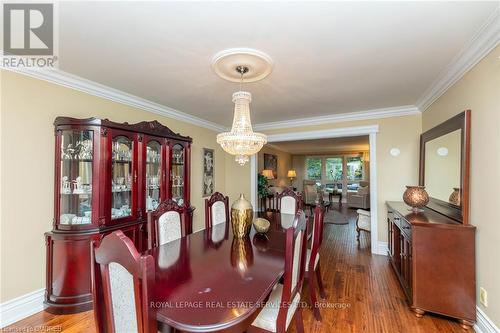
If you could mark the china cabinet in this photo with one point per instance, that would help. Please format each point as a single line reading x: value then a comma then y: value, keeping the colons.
x: 107, y: 176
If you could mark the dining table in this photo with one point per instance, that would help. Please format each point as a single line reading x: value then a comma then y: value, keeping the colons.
x: 210, y: 281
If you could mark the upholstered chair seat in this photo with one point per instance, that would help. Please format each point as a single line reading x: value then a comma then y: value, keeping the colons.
x: 283, y: 303
x: 288, y: 202
x: 363, y: 222
x: 169, y: 227
x: 122, y: 285
x: 166, y: 224
x: 268, y: 315
x: 217, y: 216
x: 122, y: 298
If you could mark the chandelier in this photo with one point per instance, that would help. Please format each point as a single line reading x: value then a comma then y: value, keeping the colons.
x: 241, y: 141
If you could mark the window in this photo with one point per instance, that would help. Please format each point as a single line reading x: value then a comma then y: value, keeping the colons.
x: 313, y: 168
x: 354, y: 168
x: 334, y: 169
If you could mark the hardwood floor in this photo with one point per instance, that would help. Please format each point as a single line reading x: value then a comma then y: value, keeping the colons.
x: 363, y: 294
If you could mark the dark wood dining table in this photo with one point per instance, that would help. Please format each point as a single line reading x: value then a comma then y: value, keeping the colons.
x: 210, y: 281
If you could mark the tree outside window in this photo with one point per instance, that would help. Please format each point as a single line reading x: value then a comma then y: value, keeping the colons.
x: 354, y: 168
x: 313, y: 168
x: 334, y: 169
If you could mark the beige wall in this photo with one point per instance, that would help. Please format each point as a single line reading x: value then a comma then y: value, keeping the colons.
x: 479, y: 91
x: 284, y: 164
x: 28, y: 109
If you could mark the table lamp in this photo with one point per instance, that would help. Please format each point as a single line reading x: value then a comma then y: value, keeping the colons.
x: 291, y: 174
x: 268, y: 174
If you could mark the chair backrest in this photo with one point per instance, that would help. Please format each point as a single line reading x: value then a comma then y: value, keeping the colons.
x: 216, y: 209
x: 310, y: 192
x: 295, y: 261
x: 288, y: 202
x: 122, y: 282
x: 166, y: 223
x: 317, y: 235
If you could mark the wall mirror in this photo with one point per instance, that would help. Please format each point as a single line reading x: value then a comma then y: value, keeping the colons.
x: 444, y: 166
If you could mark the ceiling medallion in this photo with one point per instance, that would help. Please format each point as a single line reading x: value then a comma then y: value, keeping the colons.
x: 244, y: 66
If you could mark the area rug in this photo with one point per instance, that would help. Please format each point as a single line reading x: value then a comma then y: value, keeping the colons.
x: 334, y: 217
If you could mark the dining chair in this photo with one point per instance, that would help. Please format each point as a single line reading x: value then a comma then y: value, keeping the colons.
x: 217, y: 212
x: 216, y: 209
x: 283, y: 303
x: 166, y: 223
x: 313, y: 267
x: 288, y: 202
x: 122, y: 282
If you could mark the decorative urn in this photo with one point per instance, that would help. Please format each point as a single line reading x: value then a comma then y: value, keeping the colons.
x: 455, y: 197
x: 241, y: 217
x: 416, y: 197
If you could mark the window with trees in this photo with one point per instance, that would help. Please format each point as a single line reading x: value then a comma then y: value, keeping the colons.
x: 354, y: 168
x: 334, y: 167
x: 313, y: 168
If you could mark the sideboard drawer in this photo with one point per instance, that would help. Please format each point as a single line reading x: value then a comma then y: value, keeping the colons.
x: 405, y: 227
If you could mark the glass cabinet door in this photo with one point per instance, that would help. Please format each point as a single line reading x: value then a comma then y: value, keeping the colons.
x: 75, y: 195
x: 177, y: 176
x: 121, y: 177
x: 153, y: 175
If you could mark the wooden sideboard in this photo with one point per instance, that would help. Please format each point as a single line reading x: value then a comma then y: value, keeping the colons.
x: 434, y: 260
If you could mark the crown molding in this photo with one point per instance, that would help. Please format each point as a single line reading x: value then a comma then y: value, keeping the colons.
x: 96, y: 89
x: 397, y: 111
x: 487, y: 38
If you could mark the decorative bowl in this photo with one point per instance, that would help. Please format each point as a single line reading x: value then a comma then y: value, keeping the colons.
x: 416, y: 197
x: 261, y: 225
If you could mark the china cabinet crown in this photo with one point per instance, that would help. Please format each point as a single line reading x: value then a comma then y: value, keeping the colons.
x: 108, y: 175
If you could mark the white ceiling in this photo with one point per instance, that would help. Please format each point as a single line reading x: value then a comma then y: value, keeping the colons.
x: 318, y: 146
x: 330, y: 57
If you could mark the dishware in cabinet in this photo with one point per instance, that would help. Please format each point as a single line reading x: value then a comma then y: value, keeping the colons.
x: 122, y: 150
x: 154, y: 172
x: 179, y: 172
x: 76, y: 173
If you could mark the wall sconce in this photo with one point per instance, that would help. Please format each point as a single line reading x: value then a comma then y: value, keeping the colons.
x: 395, y: 152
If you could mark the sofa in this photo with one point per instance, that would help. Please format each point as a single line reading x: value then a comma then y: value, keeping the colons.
x: 361, y: 197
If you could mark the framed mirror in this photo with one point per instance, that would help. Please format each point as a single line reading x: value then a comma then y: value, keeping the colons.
x: 444, y: 167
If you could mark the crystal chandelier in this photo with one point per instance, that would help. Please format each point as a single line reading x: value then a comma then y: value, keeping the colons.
x: 241, y: 141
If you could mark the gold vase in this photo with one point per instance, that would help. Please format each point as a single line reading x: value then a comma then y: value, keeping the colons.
x: 241, y: 217
x: 416, y: 197
x: 455, y: 196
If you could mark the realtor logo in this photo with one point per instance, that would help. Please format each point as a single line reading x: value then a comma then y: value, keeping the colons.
x: 28, y: 35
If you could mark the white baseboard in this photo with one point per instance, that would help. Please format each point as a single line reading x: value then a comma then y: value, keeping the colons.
x: 484, y: 324
x: 21, y: 307
x: 382, y: 248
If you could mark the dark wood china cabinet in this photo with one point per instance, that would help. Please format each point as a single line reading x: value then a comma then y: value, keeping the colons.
x: 107, y: 176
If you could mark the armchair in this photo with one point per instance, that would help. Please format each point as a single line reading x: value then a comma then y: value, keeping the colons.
x: 359, y: 198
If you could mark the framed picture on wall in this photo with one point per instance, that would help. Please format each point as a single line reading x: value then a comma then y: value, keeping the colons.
x: 271, y: 163
x: 208, y: 172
